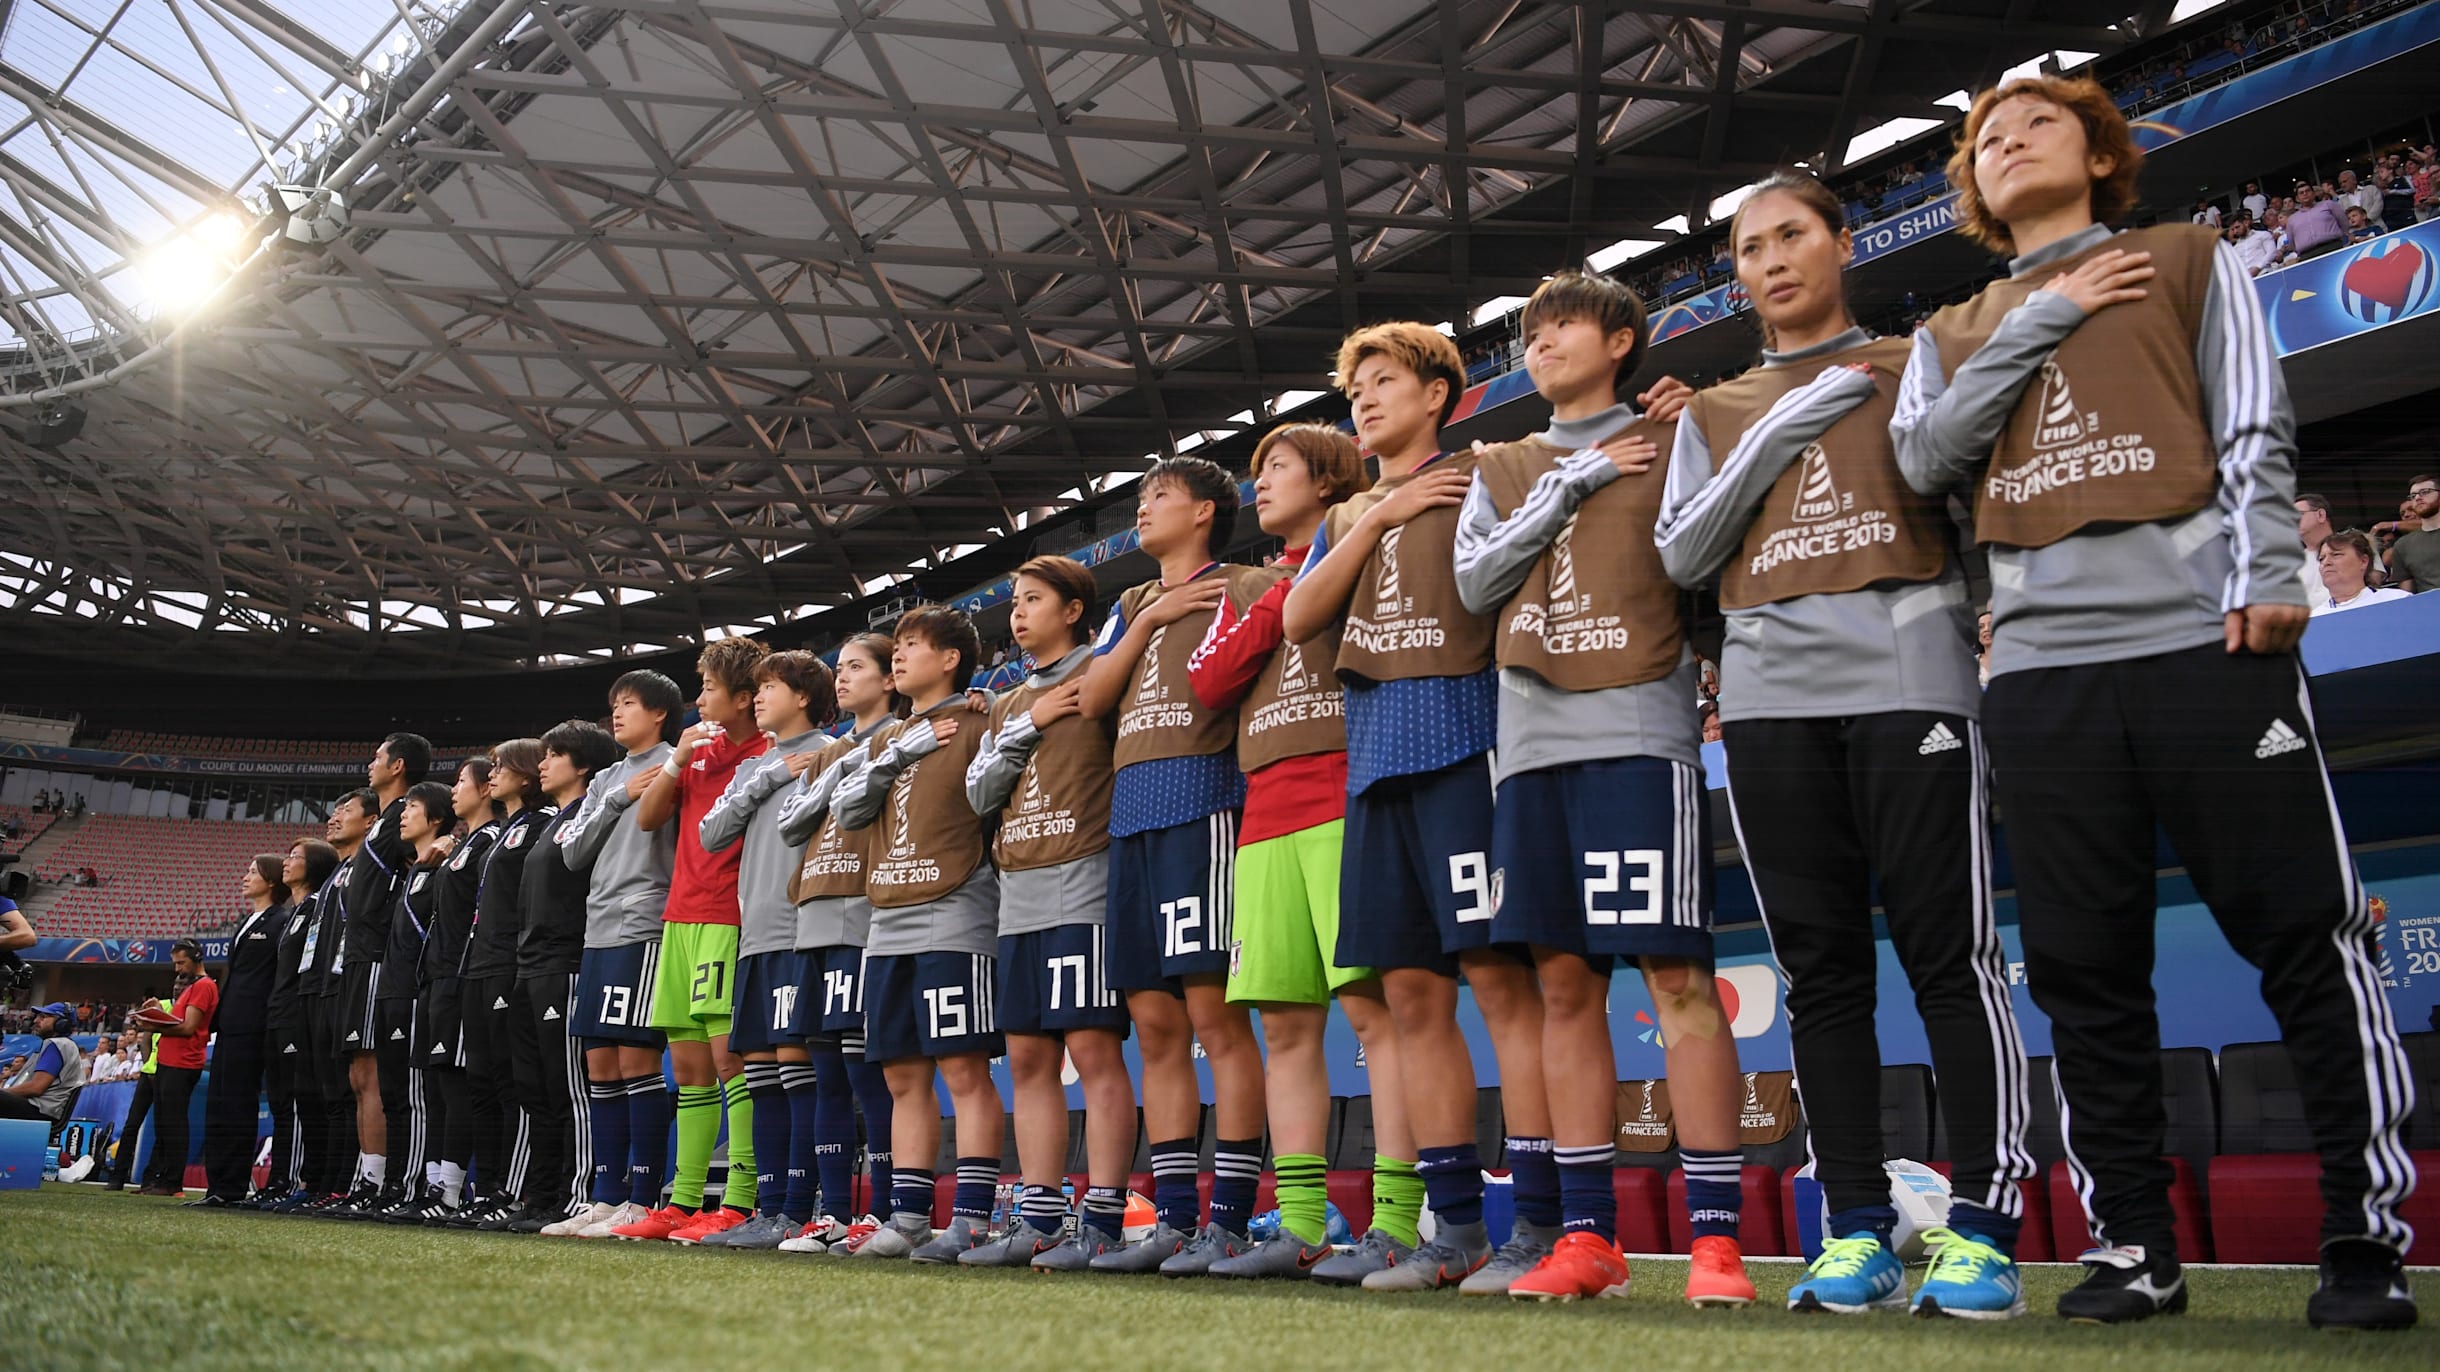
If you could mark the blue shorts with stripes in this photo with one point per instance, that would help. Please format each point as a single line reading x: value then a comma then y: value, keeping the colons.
x: 834, y: 987
x: 929, y: 1005
x: 1171, y: 910
x: 1056, y: 980
x: 614, y: 995
x: 771, y: 1009
x: 1415, y: 873
x: 1608, y: 859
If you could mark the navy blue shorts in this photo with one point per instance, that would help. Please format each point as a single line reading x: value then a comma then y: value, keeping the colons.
x: 1054, y: 980
x: 1170, y: 912
x: 1608, y: 859
x: 614, y: 994
x: 929, y: 1005
x: 1415, y: 877
x: 834, y: 987
x: 770, y: 1010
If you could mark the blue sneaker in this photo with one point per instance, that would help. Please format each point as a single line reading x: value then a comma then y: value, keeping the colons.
x: 1969, y: 1280
x: 1853, y: 1275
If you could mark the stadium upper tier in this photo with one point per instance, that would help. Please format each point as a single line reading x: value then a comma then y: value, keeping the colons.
x: 254, y: 749
x: 158, y: 877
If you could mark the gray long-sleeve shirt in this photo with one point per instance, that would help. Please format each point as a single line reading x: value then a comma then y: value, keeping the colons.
x: 1868, y: 651
x: 749, y: 809
x: 2113, y: 592
x: 826, y: 921
x: 630, y: 868
x: 1540, y: 725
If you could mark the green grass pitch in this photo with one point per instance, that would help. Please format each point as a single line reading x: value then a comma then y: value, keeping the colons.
x: 95, y: 1280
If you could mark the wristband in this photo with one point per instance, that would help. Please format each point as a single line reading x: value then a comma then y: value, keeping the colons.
x: 670, y: 768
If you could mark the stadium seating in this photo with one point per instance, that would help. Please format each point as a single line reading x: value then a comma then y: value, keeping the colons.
x: 255, y: 749
x: 2265, y: 1196
x: 160, y: 877
x: 31, y: 826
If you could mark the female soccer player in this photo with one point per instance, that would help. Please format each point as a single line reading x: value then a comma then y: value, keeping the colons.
x: 424, y: 824
x: 1044, y: 770
x: 2138, y: 507
x: 1849, y: 712
x: 440, y: 1038
x: 1292, y: 745
x: 833, y: 919
x: 501, y: 1129
x: 294, y: 1094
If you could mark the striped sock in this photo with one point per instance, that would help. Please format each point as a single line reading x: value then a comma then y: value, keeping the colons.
x: 1105, y: 1209
x: 1586, y: 1198
x: 1173, y: 1183
x: 1533, y: 1178
x: 911, y: 1192
x: 1304, y: 1201
x: 1453, y: 1183
x: 770, y: 1130
x: 1397, y: 1199
x: 873, y: 1100
x: 740, y: 1192
x: 1236, y: 1174
x: 1715, y: 1190
x: 978, y: 1183
x: 606, y: 1117
x: 804, y: 1147
x: 1044, y: 1207
x: 647, y: 1139
x: 698, y: 1129
x: 834, y: 1136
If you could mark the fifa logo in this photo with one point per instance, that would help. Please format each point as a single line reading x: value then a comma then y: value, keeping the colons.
x: 1563, y: 567
x: 902, y: 833
x: 1292, y: 669
x: 1817, y: 496
x: 1753, y: 1102
x: 2057, y: 422
x: 1033, y: 789
x: 1149, y: 687
x: 1643, y: 1108
x: 1388, y: 602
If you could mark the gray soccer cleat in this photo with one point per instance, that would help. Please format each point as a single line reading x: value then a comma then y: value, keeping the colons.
x: 762, y: 1231
x: 1285, y: 1256
x: 1076, y: 1252
x: 897, y: 1239
x: 1377, y: 1251
x: 1527, y: 1244
x: 1457, y: 1252
x: 964, y: 1234
x: 1017, y: 1248
x: 1209, y: 1246
x: 1145, y: 1254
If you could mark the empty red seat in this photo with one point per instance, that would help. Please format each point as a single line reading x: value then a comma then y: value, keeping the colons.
x: 1644, y: 1199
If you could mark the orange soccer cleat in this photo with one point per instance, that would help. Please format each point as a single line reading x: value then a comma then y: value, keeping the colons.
x: 1582, y: 1265
x: 1717, y: 1276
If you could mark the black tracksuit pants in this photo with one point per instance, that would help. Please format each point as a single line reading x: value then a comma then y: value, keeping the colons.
x: 173, y: 1096
x: 1824, y: 808
x: 333, y: 1165
x: 2217, y: 752
x: 402, y: 1093
x: 131, y: 1129
x: 499, y: 1125
x: 230, y: 1109
x: 551, y: 1082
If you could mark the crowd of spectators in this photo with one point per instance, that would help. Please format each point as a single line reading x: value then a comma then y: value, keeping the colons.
x: 2350, y: 569
x: 2205, y: 58
x: 2398, y: 187
x: 90, y: 1014
x: 57, y: 803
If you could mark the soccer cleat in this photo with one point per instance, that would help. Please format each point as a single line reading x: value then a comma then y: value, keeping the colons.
x: 625, y: 1213
x: 1285, y: 1256
x: 964, y: 1234
x: 1455, y: 1253
x: 209, y: 1201
x: 710, y: 1220
x: 411, y: 1210
x: 78, y: 1170
x: 761, y: 1233
x: 1145, y: 1254
x: 1076, y: 1252
x: 2363, y: 1286
x: 1017, y: 1248
x: 845, y: 1245
x: 1527, y: 1245
x: 1969, y: 1280
x: 895, y: 1239
x: 436, y: 1209
x: 1716, y: 1277
x: 656, y: 1225
x: 1377, y: 1251
x: 534, y: 1218
x: 2125, y: 1284
x: 1209, y: 1246
x: 1853, y: 1276
x: 807, y: 1240
x: 594, y: 1213
x: 506, y: 1213
x: 1580, y: 1266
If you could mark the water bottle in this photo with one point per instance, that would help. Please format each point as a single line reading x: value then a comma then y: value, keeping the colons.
x: 1003, y: 1205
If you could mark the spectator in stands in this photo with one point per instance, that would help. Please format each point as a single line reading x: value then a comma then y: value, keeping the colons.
x: 2397, y: 188
x: 2426, y: 182
x: 2254, y: 201
x: 2207, y: 213
x: 2346, y: 569
x: 182, y: 1051
x: 104, y: 1064
x: 1982, y: 645
x: 55, y: 1073
x: 2315, y: 227
x: 2354, y: 194
x: 2312, y: 526
x: 16, y: 1071
x: 2412, y: 541
x: 1711, y: 721
x: 2258, y: 251
x: 2359, y: 228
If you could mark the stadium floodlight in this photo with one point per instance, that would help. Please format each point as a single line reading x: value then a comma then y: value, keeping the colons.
x: 310, y: 215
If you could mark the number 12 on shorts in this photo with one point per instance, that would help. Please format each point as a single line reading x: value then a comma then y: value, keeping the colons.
x: 1636, y: 873
x: 1181, y: 926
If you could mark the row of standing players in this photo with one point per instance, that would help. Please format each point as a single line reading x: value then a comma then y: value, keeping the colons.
x: 1445, y: 740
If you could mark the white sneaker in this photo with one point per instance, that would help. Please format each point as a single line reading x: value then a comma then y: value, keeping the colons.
x: 592, y: 1214
x: 627, y: 1213
x: 78, y: 1170
x: 813, y: 1238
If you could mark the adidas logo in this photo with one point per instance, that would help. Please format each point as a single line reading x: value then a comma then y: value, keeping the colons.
x: 550, y: 1014
x: 289, y: 1049
x: 2277, y: 739
x: 500, y: 1004
x: 1940, y: 740
x: 397, y: 1034
x: 440, y: 1048
x: 353, y: 1037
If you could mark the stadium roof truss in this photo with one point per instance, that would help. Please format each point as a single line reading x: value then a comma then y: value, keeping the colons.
x: 651, y: 318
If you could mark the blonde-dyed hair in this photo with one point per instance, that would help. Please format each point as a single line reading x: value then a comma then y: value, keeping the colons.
x: 2105, y: 135
x: 1427, y: 352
